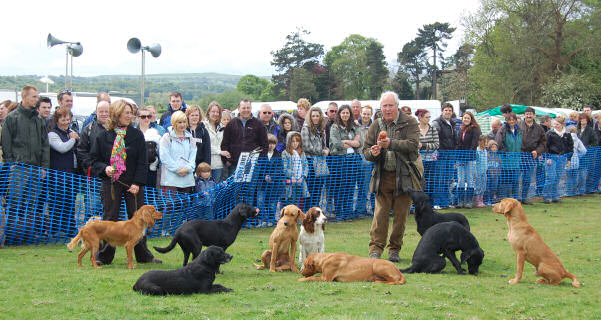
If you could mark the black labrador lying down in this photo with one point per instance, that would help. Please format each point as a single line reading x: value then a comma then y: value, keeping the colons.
x: 192, y: 235
x: 196, y: 277
x: 445, y: 238
x: 425, y: 217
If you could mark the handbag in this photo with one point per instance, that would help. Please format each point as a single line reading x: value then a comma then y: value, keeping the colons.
x: 320, y: 166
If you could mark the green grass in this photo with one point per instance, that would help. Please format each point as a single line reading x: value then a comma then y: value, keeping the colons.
x: 44, y: 282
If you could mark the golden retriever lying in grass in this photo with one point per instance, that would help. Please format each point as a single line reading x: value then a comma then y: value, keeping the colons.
x: 120, y: 233
x: 529, y: 246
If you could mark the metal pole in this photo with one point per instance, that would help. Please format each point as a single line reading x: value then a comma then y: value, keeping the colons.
x: 66, y: 66
x: 142, y: 89
x: 71, y: 77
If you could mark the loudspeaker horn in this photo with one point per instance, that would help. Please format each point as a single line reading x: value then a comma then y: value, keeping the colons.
x: 75, y: 49
x: 154, y: 49
x: 52, y: 41
x: 134, y: 45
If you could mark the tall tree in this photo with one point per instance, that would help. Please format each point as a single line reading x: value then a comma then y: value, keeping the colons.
x: 252, y: 85
x: 400, y: 84
x: 412, y: 59
x: 296, y: 53
x: 348, y: 62
x: 433, y: 36
x: 377, y: 73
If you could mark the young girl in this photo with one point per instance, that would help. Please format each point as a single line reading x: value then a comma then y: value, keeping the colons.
x: 480, y: 171
x: 286, y: 123
x: 492, y: 173
x: 296, y: 170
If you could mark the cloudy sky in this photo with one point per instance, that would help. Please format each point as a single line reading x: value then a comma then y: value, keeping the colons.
x: 234, y: 37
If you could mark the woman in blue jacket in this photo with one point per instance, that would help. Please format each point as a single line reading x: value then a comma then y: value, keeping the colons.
x: 177, y: 152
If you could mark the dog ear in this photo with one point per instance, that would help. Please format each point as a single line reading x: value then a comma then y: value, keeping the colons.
x: 464, y: 256
x: 301, y: 215
x: 508, y: 205
x: 282, y: 212
x: 309, y: 223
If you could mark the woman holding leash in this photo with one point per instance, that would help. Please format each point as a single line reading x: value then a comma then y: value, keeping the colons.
x: 119, y: 159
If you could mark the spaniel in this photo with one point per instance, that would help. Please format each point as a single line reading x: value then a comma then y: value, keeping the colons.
x: 311, y: 238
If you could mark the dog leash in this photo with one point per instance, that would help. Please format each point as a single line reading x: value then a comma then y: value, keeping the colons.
x: 126, y: 185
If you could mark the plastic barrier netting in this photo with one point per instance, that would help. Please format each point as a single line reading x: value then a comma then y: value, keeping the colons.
x: 47, y: 206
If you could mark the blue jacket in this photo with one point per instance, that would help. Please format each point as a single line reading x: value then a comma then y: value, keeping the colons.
x: 166, y: 117
x: 175, y: 154
x: 204, y: 185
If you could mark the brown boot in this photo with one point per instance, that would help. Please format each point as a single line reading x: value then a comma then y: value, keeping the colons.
x: 394, y: 256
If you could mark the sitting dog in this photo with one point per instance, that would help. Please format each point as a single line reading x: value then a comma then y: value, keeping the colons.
x: 192, y: 235
x: 529, y: 246
x: 311, y: 238
x: 446, y: 238
x: 117, y: 233
x: 282, y: 242
x: 196, y: 277
x: 344, y: 267
x: 425, y: 217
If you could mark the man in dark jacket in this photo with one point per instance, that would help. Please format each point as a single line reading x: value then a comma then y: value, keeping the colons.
x: 89, y: 134
x: 176, y: 103
x: 445, y: 171
x: 266, y: 116
x: 24, y: 140
x: 243, y: 134
x: 534, y: 141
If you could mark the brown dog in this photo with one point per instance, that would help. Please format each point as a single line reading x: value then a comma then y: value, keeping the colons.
x: 344, y: 267
x: 529, y: 246
x: 120, y: 233
x: 283, y: 242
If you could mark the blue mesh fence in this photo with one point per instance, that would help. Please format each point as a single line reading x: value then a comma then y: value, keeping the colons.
x: 48, y: 206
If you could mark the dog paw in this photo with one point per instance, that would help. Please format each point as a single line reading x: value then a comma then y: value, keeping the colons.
x: 461, y: 271
x: 133, y: 266
x: 541, y: 281
x: 513, y: 281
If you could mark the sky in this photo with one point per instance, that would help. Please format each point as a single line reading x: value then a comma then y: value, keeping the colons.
x: 232, y: 37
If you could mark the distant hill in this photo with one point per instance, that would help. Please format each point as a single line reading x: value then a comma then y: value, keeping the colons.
x: 193, y: 86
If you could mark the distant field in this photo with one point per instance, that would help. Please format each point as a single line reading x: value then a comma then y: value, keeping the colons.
x: 44, y: 282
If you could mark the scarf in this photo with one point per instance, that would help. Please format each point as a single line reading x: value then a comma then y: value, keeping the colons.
x: 560, y: 133
x: 118, y: 155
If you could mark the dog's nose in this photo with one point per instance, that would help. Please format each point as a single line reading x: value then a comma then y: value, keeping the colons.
x: 285, y: 223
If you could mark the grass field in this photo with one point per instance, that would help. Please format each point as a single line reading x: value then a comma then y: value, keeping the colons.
x: 44, y: 282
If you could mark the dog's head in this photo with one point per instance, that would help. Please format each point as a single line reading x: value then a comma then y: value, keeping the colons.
x: 214, y: 256
x: 506, y: 207
x: 420, y: 200
x: 474, y: 259
x: 290, y: 215
x: 314, y: 217
x: 148, y: 214
x: 245, y: 211
x: 310, y: 266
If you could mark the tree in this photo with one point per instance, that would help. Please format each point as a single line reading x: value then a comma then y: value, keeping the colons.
x: 401, y: 85
x: 377, y: 73
x: 252, y: 85
x: 454, y: 81
x: 412, y: 59
x: 348, y: 62
x: 301, y: 85
x: 296, y: 53
x: 433, y: 36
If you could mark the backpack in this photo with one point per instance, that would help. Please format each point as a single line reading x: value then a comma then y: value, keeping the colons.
x: 152, y: 151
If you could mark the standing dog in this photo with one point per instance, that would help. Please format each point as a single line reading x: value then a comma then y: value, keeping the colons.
x: 192, y: 235
x: 344, y: 267
x: 529, y: 246
x: 120, y: 233
x: 197, y: 277
x: 282, y: 242
x: 446, y: 238
x: 425, y: 217
x: 311, y: 238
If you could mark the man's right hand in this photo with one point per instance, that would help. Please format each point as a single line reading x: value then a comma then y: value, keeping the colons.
x: 375, y: 150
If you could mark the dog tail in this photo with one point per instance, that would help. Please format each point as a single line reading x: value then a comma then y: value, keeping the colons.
x: 575, y: 282
x: 71, y: 245
x: 408, y: 270
x: 169, y: 247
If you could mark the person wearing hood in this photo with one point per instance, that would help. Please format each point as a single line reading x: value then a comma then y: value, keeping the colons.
x: 314, y: 142
x: 296, y: 170
x: 559, y: 143
x: 176, y: 103
x: 177, y: 152
x: 286, y: 124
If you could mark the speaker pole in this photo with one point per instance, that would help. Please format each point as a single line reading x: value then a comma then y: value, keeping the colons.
x: 66, y: 66
x: 71, y: 76
x: 142, y: 89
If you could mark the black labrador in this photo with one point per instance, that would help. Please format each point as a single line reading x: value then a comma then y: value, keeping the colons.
x: 192, y: 235
x: 445, y: 238
x: 425, y: 217
x: 197, y: 277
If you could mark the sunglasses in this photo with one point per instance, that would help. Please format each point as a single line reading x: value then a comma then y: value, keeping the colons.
x: 332, y: 111
x: 145, y: 117
x: 266, y: 112
x: 65, y: 92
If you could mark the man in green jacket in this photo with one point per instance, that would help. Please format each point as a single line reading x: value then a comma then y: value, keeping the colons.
x: 397, y: 170
x: 25, y: 140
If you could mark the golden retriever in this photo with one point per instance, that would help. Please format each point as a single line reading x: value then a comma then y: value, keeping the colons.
x: 345, y: 267
x: 120, y: 233
x: 282, y: 242
x: 529, y: 246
